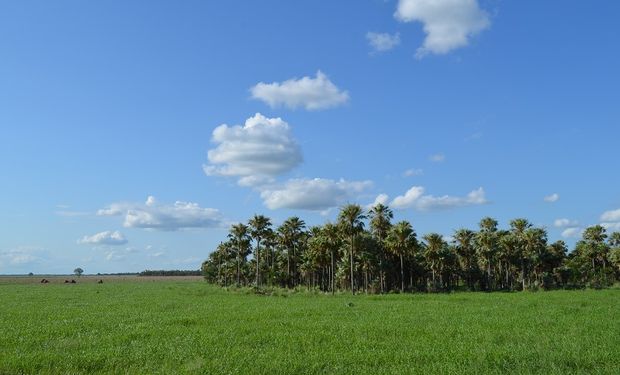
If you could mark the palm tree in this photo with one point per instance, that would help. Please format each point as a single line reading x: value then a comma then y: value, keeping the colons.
x: 380, y: 222
x: 464, y: 240
x: 291, y: 232
x: 518, y: 228
x: 240, y: 237
x: 508, y: 253
x: 333, y: 241
x: 535, y: 244
x: 260, y: 227
x: 594, y: 238
x: 401, y: 241
x: 486, y: 241
x: 434, y: 245
x: 351, y: 219
x: 614, y: 239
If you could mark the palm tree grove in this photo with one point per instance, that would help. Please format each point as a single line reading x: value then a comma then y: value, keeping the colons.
x: 366, y: 251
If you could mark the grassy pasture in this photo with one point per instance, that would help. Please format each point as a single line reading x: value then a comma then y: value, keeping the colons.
x: 182, y: 327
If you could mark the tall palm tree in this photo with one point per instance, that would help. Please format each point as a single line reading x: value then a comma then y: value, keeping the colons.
x: 351, y: 221
x: 597, y: 249
x: 518, y: 228
x: 465, y: 247
x: 434, y: 245
x: 535, y: 243
x: 331, y: 235
x: 401, y: 241
x: 508, y: 254
x: 239, y: 235
x: 291, y: 233
x: 486, y: 241
x: 260, y: 227
x: 380, y: 222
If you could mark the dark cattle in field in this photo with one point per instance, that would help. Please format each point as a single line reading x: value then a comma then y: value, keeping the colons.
x: 73, y: 282
x: 66, y: 281
x: 44, y: 281
x: 100, y: 282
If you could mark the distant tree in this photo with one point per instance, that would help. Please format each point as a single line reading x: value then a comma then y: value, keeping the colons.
x: 31, y: 274
x: 380, y: 222
x: 333, y: 241
x: 292, y: 234
x: 466, y: 249
x: 518, y: 228
x: 259, y: 227
x: 351, y: 221
x: 434, y: 246
x: 486, y: 242
x: 240, y: 237
x: 78, y: 271
x: 402, y: 242
x: 596, y: 247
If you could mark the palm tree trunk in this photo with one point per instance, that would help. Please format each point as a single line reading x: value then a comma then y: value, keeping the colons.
x: 288, y: 268
x: 238, y: 262
x: 402, y: 275
x: 332, y: 274
x: 352, y: 284
x: 522, y: 274
x: 489, y: 274
x: 257, y: 262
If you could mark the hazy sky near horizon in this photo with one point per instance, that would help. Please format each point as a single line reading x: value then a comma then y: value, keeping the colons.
x: 133, y: 133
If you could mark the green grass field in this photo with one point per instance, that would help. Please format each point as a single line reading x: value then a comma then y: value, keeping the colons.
x: 169, y: 327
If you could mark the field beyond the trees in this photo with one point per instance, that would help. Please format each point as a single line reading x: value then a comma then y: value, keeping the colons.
x: 177, y: 326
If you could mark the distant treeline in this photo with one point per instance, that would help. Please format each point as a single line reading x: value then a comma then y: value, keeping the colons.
x: 170, y: 273
x: 390, y: 257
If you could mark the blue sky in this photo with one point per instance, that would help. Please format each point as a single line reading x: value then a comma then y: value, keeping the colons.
x: 453, y: 109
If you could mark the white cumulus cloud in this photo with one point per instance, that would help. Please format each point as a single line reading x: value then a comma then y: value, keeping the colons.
x: 409, y: 198
x: 613, y: 215
x: 552, y: 198
x: 168, y: 217
x: 381, y: 42
x: 108, y: 237
x: 572, y: 232
x: 306, y: 92
x: 255, y: 153
x: 563, y: 223
x: 611, y: 226
x: 316, y: 194
x: 448, y: 24
x: 416, y: 199
x: 380, y: 199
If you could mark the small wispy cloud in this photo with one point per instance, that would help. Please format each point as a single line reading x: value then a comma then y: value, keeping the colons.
x: 563, y: 223
x: 110, y: 238
x: 437, y: 158
x: 413, y: 172
x: 552, y: 198
x: 381, y: 42
x: 474, y: 136
x: 573, y: 232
